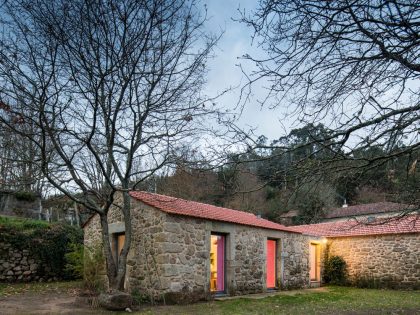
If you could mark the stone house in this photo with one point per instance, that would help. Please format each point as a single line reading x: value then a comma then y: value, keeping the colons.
x: 185, y: 249
x: 383, y: 253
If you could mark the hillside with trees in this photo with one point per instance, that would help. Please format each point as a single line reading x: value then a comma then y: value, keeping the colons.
x: 271, y: 181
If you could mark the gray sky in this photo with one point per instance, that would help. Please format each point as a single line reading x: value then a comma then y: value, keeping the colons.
x: 224, y: 72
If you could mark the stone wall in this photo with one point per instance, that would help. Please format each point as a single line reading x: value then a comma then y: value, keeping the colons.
x: 382, y: 260
x: 92, y: 232
x: 17, y: 265
x: 169, y: 255
x: 249, y: 259
x: 295, y: 261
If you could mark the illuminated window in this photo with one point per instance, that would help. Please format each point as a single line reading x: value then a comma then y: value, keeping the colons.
x: 217, y: 263
x: 314, y: 262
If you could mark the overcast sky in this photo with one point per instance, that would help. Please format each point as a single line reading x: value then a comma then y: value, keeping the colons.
x: 224, y: 71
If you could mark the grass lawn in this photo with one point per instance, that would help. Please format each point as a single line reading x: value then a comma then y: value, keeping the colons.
x: 335, y: 300
x: 330, y: 300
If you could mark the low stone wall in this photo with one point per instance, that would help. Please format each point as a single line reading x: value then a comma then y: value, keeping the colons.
x: 381, y: 260
x: 17, y: 265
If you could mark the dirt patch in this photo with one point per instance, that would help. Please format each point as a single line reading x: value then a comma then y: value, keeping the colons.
x: 49, y: 302
x: 259, y: 296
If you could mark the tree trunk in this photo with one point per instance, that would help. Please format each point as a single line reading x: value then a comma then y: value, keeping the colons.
x: 111, y: 268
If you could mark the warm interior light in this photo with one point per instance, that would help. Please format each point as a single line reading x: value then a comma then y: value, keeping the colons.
x: 217, y: 253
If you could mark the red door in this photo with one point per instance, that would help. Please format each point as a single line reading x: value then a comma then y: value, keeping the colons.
x: 271, y: 263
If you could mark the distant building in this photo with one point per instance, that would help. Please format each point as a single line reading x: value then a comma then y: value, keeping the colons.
x: 367, y: 212
x: 288, y: 217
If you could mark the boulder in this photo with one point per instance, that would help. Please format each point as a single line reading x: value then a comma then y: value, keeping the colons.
x: 115, y: 301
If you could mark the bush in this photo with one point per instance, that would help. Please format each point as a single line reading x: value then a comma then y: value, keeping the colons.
x: 93, y: 268
x: 87, y: 263
x: 74, y: 261
x: 25, y: 196
x: 139, y: 298
x: 335, y: 270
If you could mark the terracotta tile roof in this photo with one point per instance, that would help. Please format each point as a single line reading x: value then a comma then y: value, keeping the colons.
x: 369, y: 208
x: 200, y: 210
x: 407, y: 224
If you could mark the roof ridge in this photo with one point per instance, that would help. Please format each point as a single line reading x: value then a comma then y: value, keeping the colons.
x: 201, y: 203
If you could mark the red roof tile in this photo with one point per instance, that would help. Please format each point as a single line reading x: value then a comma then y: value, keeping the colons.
x: 369, y: 208
x: 200, y: 210
x: 407, y: 224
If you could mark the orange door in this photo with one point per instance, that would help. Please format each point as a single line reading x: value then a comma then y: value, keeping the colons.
x: 217, y: 263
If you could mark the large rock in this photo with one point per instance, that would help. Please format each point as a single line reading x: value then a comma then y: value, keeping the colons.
x: 115, y: 301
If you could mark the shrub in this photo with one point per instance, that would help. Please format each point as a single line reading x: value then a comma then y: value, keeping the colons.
x: 335, y: 270
x: 139, y: 298
x: 87, y: 263
x: 25, y: 196
x: 93, y: 268
x: 74, y: 261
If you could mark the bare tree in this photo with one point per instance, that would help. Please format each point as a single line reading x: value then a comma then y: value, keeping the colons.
x: 108, y: 86
x: 17, y: 170
x: 352, y: 65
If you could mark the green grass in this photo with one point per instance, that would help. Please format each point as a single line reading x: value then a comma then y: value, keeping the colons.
x: 336, y: 300
x: 22, y: 224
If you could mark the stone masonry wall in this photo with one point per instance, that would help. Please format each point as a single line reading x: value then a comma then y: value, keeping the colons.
x: 168, y: 256
x: 249, y: 260
x: 389, y: 260
x: 295, y: 261
x: 17, y: 265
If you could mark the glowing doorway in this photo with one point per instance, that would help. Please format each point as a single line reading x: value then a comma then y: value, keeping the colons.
x: 271, y: 264
x: 217, y: 263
